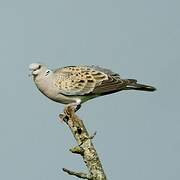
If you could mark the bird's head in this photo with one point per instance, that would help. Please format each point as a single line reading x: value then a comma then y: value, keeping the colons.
x: 39, y: 70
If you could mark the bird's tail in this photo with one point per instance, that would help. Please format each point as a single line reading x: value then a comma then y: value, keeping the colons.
x: 136, y: 86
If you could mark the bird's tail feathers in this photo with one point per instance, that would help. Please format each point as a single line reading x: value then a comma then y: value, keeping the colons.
x: 136, y: 86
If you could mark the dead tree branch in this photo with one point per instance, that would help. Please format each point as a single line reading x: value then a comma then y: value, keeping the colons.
x: 85, y: 147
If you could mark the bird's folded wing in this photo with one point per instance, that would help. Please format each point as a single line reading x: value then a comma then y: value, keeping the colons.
x: 79, y: 80
x: 112, y: 84
x: 84, y: 80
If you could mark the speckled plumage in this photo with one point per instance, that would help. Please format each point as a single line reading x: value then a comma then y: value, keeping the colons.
x: 78, y: 80
x: 77, y: 84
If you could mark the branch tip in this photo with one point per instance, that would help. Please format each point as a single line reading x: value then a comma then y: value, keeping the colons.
x: 78, y: 174
x: 93, y: 135
x: 77, y: 150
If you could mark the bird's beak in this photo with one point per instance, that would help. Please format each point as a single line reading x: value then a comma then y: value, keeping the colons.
x: 33, y: 73
x: 33, y: 68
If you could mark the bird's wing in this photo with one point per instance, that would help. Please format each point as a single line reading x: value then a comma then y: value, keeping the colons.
x: 78, y: 80
x: 83, y: 80
x: 114, y: 84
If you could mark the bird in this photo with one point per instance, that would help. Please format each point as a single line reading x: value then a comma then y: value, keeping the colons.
x: 74, y: 85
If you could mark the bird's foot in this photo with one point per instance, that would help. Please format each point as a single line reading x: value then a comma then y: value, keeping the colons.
x: 69, y: 111
x: 74, y: 106
x: 77, y: 107
x: 63, y: 117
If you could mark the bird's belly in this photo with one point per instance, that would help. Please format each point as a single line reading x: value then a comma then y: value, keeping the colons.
x: 60, y: 98
x: 64, y: 99
x: 53, y: 94
x: 56, y: 96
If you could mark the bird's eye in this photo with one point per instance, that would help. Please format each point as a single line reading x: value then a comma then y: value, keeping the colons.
x: 39, y: 67
x: 47, y: 72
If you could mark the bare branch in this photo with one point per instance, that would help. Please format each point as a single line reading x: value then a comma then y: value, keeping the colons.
x: 93, y: 135
x: 85, y: 146
x: 78, y: 174
x: 77, y: 150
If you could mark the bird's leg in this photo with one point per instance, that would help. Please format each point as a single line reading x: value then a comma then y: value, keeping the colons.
x: 68, y: 111
x: 75, y: 106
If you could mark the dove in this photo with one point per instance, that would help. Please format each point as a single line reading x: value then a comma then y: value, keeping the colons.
x: 74, y: 85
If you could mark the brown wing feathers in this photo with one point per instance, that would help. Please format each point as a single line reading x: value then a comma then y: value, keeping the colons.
x: 113, y: 84
x: 83, y: 80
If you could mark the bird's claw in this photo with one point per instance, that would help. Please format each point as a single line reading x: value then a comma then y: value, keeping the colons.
x: 77, y: 107
x: 69, y: 111
x: 72, y: 107
x: 63, y: 117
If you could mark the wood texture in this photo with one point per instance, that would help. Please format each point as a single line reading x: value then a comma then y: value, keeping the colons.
x: 85, y: 147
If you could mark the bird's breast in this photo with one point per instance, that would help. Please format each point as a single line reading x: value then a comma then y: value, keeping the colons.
x: 52, y: 92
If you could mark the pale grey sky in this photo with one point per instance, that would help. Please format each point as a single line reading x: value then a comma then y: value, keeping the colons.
x: 138, y: 133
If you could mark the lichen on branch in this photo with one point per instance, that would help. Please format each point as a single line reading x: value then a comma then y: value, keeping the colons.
x: 85, y: 147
